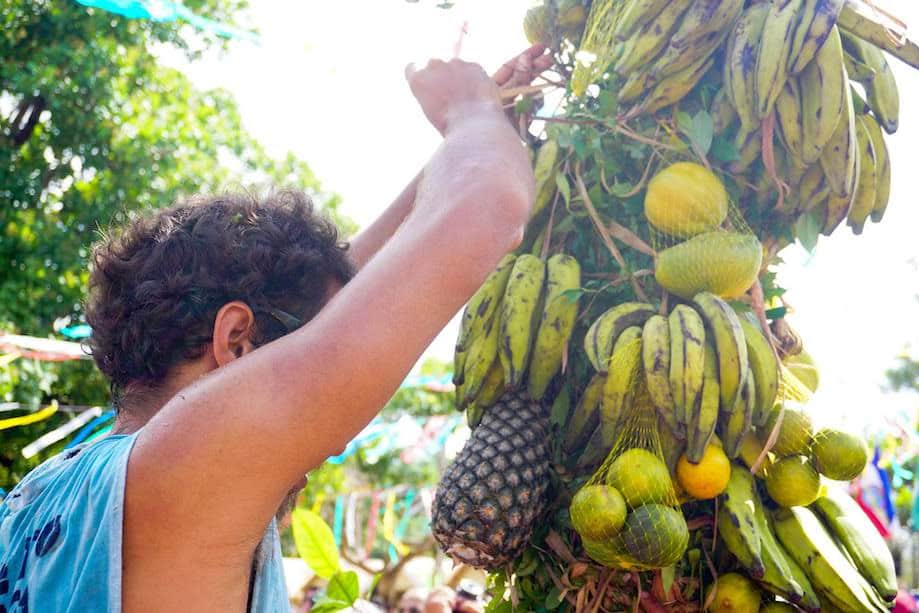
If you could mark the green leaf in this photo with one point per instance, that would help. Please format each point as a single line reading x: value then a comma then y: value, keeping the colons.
x: 776, y: 313
x: 572, y: 295
x: 702, y: 131
x: 325, y: 605
x: 344, y: 586
x: 563, y: 187
x: 499, y: 605
x: 723, y: 150
x: 607, y: 103
x: 315, y: 543
x: 554, y: 599
x: 668, y: 576
x: 684, y: 122
x: 807, y: 229
x: 561, y: 407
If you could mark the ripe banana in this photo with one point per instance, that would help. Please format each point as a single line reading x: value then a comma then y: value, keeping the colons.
x: 635, y: 15
x: 736, y: 423
x: 813, y: 189
x: 687, y: 360
x: 838, y: 207
x: 481, y: 355
x: 557, y: 323
x: 655, y: 355
x: 723, y: 326
x: 828, y: 568
x: 619, y: 387
x: 866, y: 194
x: 675, y: 87
x: 544, y: 171
x: 882, y: 197
x: 881, y: 86
x: 704, y: 417
x: 484, y: 304
x: 519, y: 317
x: 740, y: 63
x: 602, y: 334
x: 643, y: 45
x: 790, y: 120
x: 703, y: 18
x: 764, y: 367
x: 493, y: 386
x: 772, y: 53
x: 838, y: 158
x: 818, y: 17
x: 585, y: 418
x: 823, y: 97
x: 847, y: 522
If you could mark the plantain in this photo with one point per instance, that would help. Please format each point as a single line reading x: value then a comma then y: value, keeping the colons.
x: 838, y: 158
x: 619, y: 387
x: 737, y: 524
x: 484, y: 304
x: 866, y: 194
x: 687, y: 360
x: 544, y: 169
x: 772, y: 54
x: 739, y: 62
x: 818, y: 17
x: 704, y: 419
x: 602, y: 334
x: 723, y: 326
x: 519, y: 317
x: 585, y: 418
x: 790, y: 120
x: 882, y: 194
x: 878, y: 81
x: 635, y: 15
x: 736, y: 423
x: 563, y: 276
x: 638, y: 49
x: 482, y: 353
x: 674, y: 87
x: 765, y: 369
x: 824, y: 88
x: 655, y: 354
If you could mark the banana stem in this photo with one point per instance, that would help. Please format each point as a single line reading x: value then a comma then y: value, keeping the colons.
x: 604, y: 233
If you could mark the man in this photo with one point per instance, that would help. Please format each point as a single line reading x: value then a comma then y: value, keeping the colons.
x: 225, y: 399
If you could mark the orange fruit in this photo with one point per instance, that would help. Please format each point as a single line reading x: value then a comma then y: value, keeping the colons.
x: 709, y: 477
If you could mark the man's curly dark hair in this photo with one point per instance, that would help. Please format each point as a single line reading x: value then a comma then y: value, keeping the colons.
x: 157, y: 285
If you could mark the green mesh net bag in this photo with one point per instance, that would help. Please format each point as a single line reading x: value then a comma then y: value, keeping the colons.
x: 628, y: 514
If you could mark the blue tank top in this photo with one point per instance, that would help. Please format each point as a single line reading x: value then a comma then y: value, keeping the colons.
x: 60, y: 537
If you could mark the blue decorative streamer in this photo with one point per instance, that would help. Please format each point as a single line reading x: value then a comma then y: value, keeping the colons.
x: 88, y: 429
x: 338, y: 520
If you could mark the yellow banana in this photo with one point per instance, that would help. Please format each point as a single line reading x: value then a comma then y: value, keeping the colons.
x: 519, y: 317
x: 655, y: 354
x: 772, y: 53
x: 740, y: 62
x: 749, y: 145
x: 737, y: 523
x: 882, y: 196
x: 642, y: 46
x: 790, y: 119
x: 737, y: 422
x: 824, y: 88
x: 484, y: 304
x: 544, y: 171
x: 635, y: 15
x: 765, y: 369
x: 838, y: 158
x: 585, y: 418
x: 602, y: 334
x: 704, y: 419
x: 880, y: 86
x: 619, y: 387
x: 687, y: 360
x: 675, y: 87
x: 813, y: 189
x: 723, y: 326
x: 866, y: 194
x: 838, y: 207
x: 723, y: 114
x: 557, y: 323
x: 817, y: 20
x: 482, y: 353
x: 704, y: 18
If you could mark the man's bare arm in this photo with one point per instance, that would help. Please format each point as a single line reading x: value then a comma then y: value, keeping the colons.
x: 237, y: 439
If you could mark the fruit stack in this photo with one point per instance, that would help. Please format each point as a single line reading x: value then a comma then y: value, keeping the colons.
x: 637, y: 398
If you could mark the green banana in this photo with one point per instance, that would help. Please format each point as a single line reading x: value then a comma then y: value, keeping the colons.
x: 544, y: 169
x: 519, y: 317
x: 482, y: 354
x: 602, y: 334
x: 619, y: 387
x: 737, y: 422
x: 880, y: 84
x: 737, y: 524
x: 838, y: 207
x: 459, y: 363
x: 866, y: 194
x: 823, y: 97
x: 563, y: 276
x: 848, y: 523
x: 704, y: 417
x: 492, y: 387
x: 813, y: 189
x: 739, y: 63
x: 764, y: 366
x: 882, y: 196
x: 484, y: 304
x: 655, y: 354
x: 838, y: 158
x: 749, y: 144
x: 687, y: 360
x: 585, y: 418
x: 474, y: 416
x: 790, y: 119
x: 831, y: 573
x: 723, y: 326
x: 783, y: 575
x: 644, y: 44
x: 818, y: 17
x: 723, y: 114
x: 772, y: 53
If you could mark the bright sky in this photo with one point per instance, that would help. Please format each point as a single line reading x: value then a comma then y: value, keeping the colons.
x: 327, y: 83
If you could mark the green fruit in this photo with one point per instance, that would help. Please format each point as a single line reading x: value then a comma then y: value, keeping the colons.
x: 597, y: 512
x: 734, y: 593
x: 793, y: 482
x: 655, y: 535
x: 641, y: 477
x: 777, y: 607
x: 536, y: 26
x: 795, y: 434
x: 839, y: 455
x: 723, y: 263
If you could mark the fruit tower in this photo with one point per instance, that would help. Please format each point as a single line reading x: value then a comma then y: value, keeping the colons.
x: 641, y: 437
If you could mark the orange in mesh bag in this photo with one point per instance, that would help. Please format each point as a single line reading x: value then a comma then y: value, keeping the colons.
x: 628, y: 514
x: 701, y: 239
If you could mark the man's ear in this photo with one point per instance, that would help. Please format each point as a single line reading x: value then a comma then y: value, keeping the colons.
x: 233, y: 330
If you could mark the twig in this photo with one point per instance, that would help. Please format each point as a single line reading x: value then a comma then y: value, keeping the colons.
x: 768, y: 152
x: 556, y: 544
x: 644, y: 177
x: 601, y: 590
x: 549, y: 226
x: 512, y: 92
x: 630, y: 238
x: 770, y: 442
x: 558, y: 584
x: 604, y: 236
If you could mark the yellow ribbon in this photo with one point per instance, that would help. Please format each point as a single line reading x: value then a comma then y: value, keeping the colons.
x: 389, y: 525
x: 317, y: 504
x: 31, y: 418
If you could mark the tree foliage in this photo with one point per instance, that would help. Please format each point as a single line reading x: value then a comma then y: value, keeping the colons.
x: 94, y: 130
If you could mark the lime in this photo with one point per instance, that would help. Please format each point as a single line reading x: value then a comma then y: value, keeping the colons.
x: 597, y: 512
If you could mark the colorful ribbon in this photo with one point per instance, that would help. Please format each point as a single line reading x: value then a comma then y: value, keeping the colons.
x: 31, y: 418
x: 89, y: 428
x: 46, y: 440
x: 338, y: 520
x: 372, y: 522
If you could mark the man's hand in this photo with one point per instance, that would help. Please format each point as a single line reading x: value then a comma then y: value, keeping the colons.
x: 520, y: 71
x: 448, y: 91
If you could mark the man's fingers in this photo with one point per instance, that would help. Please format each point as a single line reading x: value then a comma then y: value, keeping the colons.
x: 410, y: 71
x: 521, y: 69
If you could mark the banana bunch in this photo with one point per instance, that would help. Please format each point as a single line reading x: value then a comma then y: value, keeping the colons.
x: 515, y: 329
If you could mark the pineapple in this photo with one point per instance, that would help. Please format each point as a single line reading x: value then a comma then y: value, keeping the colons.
x: 491, y: 496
